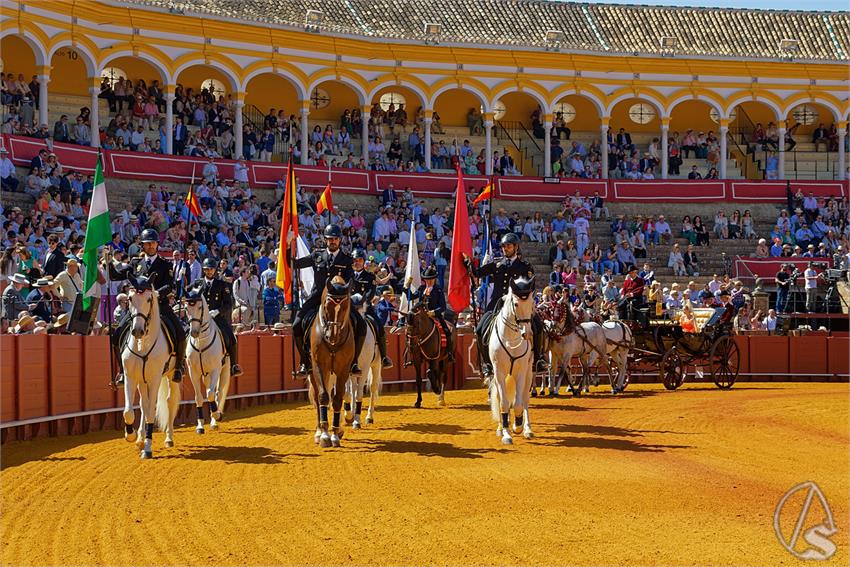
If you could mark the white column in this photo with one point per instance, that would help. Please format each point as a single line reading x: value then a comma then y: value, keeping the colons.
x: 724, y: 133
x: 842, y: 166
x: 365, y: 113
x: 781, y: 130
x: 665, y: 159
x: 305, y: 132
x: 169, y: 122
x: 94, y: 117
x: 488, y: 146
x: 42, y: 98
x: 428, y: 119
x: 547, y: 146
x: 238, y: 125
x: 603, y: 146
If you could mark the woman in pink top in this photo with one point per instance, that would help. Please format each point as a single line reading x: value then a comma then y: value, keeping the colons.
x: 151, y: 119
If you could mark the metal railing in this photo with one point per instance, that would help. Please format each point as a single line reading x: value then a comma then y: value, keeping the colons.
x: 524, y: 142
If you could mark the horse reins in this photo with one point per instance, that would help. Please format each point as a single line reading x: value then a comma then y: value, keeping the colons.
x: 147, y: 319
x: 204, y: 328
x: 417, y: 340
x: 333, y: 346
x: 517, y: 328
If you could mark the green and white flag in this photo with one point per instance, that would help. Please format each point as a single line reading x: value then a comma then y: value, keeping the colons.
x: 98, y: 233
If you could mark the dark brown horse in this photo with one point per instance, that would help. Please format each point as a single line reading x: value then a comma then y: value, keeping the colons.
x: 424, y: 349
x: 332, y: 347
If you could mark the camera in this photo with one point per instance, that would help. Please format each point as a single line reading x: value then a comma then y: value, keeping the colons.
x: 820, y: 265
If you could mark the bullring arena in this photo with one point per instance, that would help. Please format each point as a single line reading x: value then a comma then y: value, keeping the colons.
x: 204, y: 136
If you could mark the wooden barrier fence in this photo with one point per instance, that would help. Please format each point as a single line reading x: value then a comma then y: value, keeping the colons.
x: 59, y: 384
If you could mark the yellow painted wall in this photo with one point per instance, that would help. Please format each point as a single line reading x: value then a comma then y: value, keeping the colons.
x: 68, y: 73
x: 136, y: 69
x: 271, y: 91
x: 413, y: 103
x: 518, y: 107
x: 193, y: 77
x: 620, y: 119
x: 692, y: 114
x: 587, y: 117
x: 342, y: 96
x: 453, y: 105
x: 17, y: 57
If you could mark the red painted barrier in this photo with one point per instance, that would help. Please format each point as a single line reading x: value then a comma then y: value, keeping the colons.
x: 743, y: 343
x: 838, y: 351
x: 291, y: 361
x: 268, y: 351
x: 808, y: 355
x: 181, y: 169
x: 66, y: 374
x: 249, y: 382
x: 768, y: 355
x: 8, y: 378
x: 96, y: 374
x: 33, y: 376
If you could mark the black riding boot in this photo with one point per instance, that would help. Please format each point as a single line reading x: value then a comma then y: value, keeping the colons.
x: 233, y: 353
x: 302, y: 351
x: 450, y: 357
x: 539, y: 340
x: 382, y: 346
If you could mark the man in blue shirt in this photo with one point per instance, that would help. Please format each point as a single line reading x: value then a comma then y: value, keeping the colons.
x: 272, y: 300
x: 384, y: 308
x: 804, y: 236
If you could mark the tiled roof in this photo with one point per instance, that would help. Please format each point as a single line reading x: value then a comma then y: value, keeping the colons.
x: 587, y: 27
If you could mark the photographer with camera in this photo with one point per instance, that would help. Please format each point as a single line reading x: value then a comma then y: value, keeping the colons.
x: 784, y: 279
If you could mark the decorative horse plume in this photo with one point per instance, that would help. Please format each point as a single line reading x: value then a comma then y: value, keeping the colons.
x: 338, y: 287
x: 522, y: 287
x: 140, y: 283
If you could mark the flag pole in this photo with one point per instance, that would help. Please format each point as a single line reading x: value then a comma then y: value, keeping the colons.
x: 188, y: 226
x: 108, y: 297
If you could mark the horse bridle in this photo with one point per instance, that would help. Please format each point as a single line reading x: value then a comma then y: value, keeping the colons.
x: 329, y: 328
x: 517, y: 328
x: 416, y: 339
x: 146, y: 317
x: 204, y: 328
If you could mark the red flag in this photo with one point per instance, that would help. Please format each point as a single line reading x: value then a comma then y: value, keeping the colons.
x: 485, y: 194
x: 326, y: 202
x: 459, y: 283
x: 192, y: 203
x: 288, y: 225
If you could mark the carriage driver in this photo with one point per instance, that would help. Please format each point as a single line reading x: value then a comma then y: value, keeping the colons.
x: 161, y: 277
x: 363, y: 282
x: 631, y: 294
x: 507, y: 268
x: 219, y: 298
x: 326, y: 265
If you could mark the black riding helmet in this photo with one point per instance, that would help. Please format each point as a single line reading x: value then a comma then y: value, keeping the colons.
x: 358, y: 253
x: 333, y: 231
x: 509, y: 238
x: 210, y: 263
x: 150, y: 235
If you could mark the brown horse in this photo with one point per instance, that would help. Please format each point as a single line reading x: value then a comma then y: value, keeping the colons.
x: 424, y: 348
x: 332, y: 346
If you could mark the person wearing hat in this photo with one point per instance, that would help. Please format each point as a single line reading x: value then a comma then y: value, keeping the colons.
x: 39, y: 299
x: 60, y: 327
x: 69, y: 283
x: 8, y: 179
x: 326, y: 264
x: 502, y: 272
x: 159, y: 273
x: 729, y: 309
x: 631, y: 294
x: 434, y: 298
x: 219, y: 296
x: 363, y: 282
x: 25, y: 325
x: 13, y: 302
x: 385, y: 308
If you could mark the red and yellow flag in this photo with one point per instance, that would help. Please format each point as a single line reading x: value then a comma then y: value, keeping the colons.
x: 192, y: 203
x: 326, y: 202
x: 288, y: 229
x: 486, y: 193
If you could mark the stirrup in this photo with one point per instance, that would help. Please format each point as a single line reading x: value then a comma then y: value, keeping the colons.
x: 386, y: 362
x: 302, y: 370
x: 355, y: 369
x: 178, y: 376
x: 235, y: 371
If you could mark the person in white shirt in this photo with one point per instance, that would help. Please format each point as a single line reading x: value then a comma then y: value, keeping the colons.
x: 246, y: 290
x: 676, y: 261
x: 137, y: 139
x: 582, y: 228
x: 663, y: 229
x: 210, y: 171
x: 811, y: 277
x: 770, y: 320
x: 7, y: 172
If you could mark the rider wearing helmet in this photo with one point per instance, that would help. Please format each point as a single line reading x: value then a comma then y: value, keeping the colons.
x: 219, y: 298
x: 326, y: 265
x: 363, y: 282
x: 501, y: 272
x: 160, y: 274
x: 435, y: 301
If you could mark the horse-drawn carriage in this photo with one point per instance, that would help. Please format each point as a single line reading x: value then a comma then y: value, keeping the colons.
x: 663, y: 344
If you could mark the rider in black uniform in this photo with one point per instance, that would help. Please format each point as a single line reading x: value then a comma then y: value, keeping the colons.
x: 435, y: 301
x: 326, y: 264
x: 507, y: 268
x: 363, y: 282
x: 219, y: 298
x: 161, y: 277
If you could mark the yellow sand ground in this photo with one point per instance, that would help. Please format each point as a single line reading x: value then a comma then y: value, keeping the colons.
x: 648, y: 478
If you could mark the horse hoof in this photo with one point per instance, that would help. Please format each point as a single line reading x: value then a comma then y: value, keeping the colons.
x: 146, y: 455
x: 499, y: 432
x: 325, y: 441
x: 528, y: 434
x: 506, y: 440
x: 441, y: 403
x: 140, y: 442
x: 349, y: 420
x: 217, y: 416
x: 417, y: 405
x: 355, y: 425
x: 370, y: 421
x: 199, y: 430
x: 169, y: 444
x: 130, y: 437
x: 213, y: 425
x: 339, y: 432
x: 533, y: 393
x: 335, y: 441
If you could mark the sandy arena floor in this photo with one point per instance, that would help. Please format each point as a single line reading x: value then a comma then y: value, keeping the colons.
x: 651, y: 477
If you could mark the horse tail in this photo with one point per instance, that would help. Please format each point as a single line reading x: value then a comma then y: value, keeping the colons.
x: 167, y: 402
x: 495, y: 404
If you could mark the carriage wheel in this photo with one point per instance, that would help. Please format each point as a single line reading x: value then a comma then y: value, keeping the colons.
x: 725, y: 359
x: 672, y: 369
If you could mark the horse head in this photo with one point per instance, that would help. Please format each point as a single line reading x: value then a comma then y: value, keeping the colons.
x: 336, y: 305
x: 196, y: 309
x: 520, y: 300
x: 142, y: 297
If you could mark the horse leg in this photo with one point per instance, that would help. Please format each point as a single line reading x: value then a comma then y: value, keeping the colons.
x: 418, y: 368
x: 504, y: 402
x: 212, y: 389
x: 148, y: 401
x: 221, y: 393
x: 323, y: 401
x: 313, y: 394
x: 440, y: 368
x: 374, y: 387
x: 129, y: 394
x: 526, y: 423
x: 337, y: 432
x: 199, y: 398
x: 357, y: 397
x: 350, y: 388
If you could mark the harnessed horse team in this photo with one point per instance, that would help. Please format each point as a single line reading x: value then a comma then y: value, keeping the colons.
x: 337, y: 334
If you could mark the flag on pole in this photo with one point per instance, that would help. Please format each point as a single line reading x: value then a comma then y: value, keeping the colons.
x: 326, y: 202
x: 192, y: 203
x: 487, y: 256
x: 459, y: 283
x: 486, y: 193
x: 288, y: 229
x: 98, y: 233
x: 412, y: 273
x: 307, y: 277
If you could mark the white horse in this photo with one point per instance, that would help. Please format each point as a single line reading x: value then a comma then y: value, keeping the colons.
x: 207, y: 360
x: 148, y: 368
x: 370, y: 364
x: 619, y: 341
x: 587, y: 343
x: 511, y: 354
